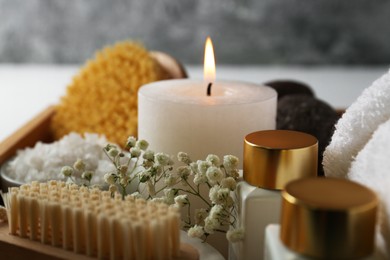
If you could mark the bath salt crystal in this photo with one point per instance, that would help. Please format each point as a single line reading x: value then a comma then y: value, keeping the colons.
x: 44, y: 161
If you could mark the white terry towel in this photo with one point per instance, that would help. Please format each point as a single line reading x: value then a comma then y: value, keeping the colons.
x: 356, y: 127
x: 372, y: 169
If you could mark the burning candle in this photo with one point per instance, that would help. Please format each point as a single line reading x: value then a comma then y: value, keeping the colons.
x: 201, y: 117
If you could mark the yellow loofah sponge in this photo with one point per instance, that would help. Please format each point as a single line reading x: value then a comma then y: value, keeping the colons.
x: 103, y: 97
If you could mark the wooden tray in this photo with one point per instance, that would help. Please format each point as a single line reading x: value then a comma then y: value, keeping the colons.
x: 37, y: 129
x: 14, y: 247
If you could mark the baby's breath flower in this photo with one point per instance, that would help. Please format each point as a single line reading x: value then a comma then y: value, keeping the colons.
x: 233, y: 173
x: 67, y: 171
x: 203, y: 166
x: 184, y: 158
x: 144, y: 176
x: 194, y: 167
x: 131, y: 141
x: 87, y: 175
x: 170, y: 163
x: 229, y: 183
x: 219, y: 195
x: 123, y: 169
x: 200, y: 216
x: 135, y: 195
x: 213, y: 159
x: 200, y: 178
x: 214, y: 175
x: 220, y: 178
x: 79, y: 165
x: 112, y: 188
x: 235, y: 235
x: 159, y: 200
x: 181, y: 200
x: 216, y: 211
x: 229, y: 202
x: 147, y: 164
x: 230, y: 161
x: 213, y: 193
x: 135, y: 152
x: 156, y: 170
x: 110, y: 178
x: 161, y: 159
x: 108, y: 147
x: 223, y: 194
x: 124, y: 181
x: 170, y: 180
x: 170, y: 196
x: 148, y: 155
x: 113, y: 152
x: 211, y: 224
x: 195, y: 231
x: 183, y: 172
x: 142, y: 145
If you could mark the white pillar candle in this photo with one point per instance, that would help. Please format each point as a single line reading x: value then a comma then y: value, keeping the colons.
x: 178, y: 115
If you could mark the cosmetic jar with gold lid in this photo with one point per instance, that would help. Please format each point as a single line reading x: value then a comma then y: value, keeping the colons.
x: 325, y: 218
x: 328, y: 218
x: 272, y: 158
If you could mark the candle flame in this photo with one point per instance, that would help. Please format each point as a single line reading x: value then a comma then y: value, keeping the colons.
x: 209, y: 61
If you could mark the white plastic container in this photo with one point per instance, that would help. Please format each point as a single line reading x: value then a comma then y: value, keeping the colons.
x: 272, y: 158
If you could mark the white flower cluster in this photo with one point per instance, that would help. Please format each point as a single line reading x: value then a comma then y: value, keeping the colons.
x: 158, y: 181
x: 220, y: 178
x: 78, y: 166
x: 126, y: 166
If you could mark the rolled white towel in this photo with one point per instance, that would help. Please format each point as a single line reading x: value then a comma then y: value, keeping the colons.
x: 356, y: 127
x: 371, y: 168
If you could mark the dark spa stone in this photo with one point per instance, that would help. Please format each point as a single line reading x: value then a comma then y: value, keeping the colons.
x: 290, y: 87
x: 310, y: 115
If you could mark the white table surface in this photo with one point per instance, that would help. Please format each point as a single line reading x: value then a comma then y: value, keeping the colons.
x: 25, y: 90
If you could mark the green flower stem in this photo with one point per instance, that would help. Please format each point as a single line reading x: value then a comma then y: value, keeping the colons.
x: 72, y: 179
x: 161, y: 189
x: 220, y: 230
x: 158, y: 178
x: 197, y: 193
x: 108, y: 156
x: 135, y: 164
x: 232, y: 215
x: 117, y: 161
x: 224, y: 222
x: 189, y: 214
x: 123, y: 191
x: 187, y: 191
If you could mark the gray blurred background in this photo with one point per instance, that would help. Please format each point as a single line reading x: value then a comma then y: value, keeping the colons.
x: 244, y: 31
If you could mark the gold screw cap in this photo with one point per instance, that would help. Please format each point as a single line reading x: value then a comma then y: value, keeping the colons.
x: 272, y: 158
x: 328, y: 218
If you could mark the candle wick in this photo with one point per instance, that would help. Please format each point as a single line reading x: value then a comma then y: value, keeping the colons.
x: 209, y: 89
